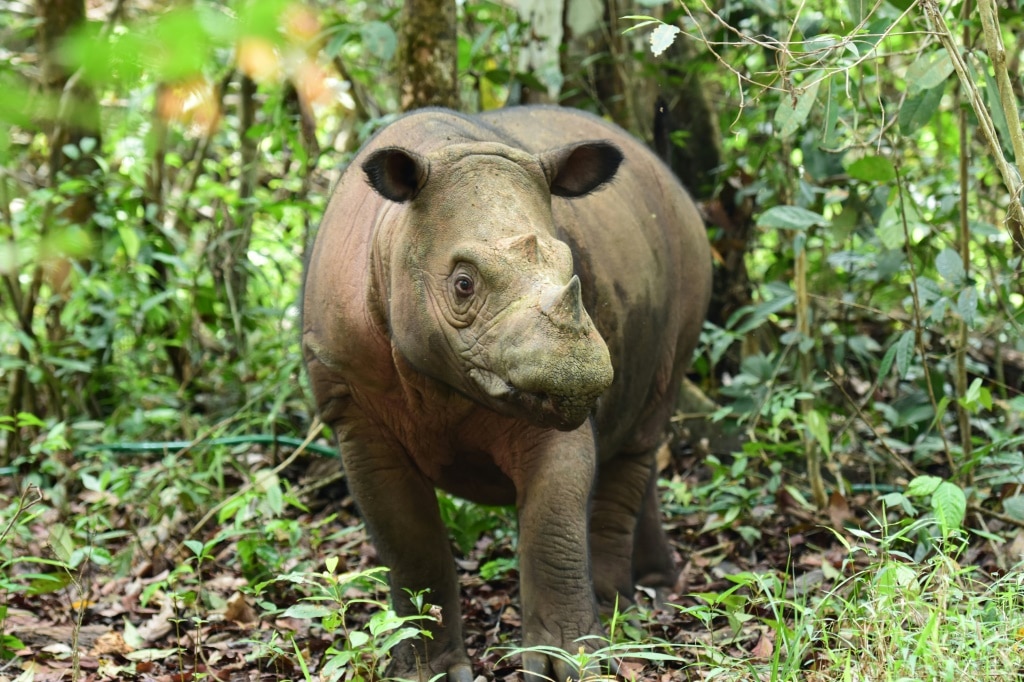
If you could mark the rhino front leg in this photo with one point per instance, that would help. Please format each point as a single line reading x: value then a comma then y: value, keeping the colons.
x: 400, y: 510
x: 625, y: 519
x: 556, y: 589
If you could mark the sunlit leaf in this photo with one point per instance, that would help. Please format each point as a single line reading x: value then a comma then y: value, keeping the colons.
x: 130, y: 240
x: 872, y: 168
x: 923, y: 486
x: 662, y: 38
x: 949, y: 503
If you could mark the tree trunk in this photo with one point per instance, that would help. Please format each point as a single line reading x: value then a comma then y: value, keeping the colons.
x: 78, y: 115
x: 75, y: 118
x: 428, y: 55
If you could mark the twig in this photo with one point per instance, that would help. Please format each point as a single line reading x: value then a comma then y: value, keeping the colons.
x: 919, y: 323
x: 998, y: 516
x: 896, y: 457
x: 964, y: 244
x: 24, y: 504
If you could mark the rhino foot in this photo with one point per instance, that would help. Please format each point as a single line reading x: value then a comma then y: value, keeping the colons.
x: 553, y: 657
x: 412, y: 664
x: 542, y: 666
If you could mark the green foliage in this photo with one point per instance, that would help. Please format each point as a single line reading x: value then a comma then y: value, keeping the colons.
x: 470, y: 521
x: 359, y: 653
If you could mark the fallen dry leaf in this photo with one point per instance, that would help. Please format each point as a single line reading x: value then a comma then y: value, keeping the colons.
x: 764, y: 648
x: 110, y: 643
x: 239, y: 610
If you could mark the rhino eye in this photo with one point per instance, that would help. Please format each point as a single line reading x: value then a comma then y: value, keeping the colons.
x: 464, y: 286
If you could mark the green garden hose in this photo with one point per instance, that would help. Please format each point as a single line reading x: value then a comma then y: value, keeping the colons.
x: 168, y: 445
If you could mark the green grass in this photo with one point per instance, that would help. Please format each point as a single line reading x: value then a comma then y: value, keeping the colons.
x: 892, y: 620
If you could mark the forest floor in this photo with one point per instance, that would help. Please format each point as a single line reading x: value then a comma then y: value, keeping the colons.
x: 146, y: 607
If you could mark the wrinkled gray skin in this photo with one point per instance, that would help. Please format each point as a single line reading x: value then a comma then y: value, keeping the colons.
x: 503, y: 306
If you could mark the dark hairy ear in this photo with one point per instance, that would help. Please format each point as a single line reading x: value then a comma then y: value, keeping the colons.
x: 578, y: 169
x: 396, y: 174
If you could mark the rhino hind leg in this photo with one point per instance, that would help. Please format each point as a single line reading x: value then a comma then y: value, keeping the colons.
x: 653, y: 564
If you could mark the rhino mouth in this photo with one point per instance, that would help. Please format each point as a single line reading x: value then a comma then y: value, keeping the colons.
x: 563, y: 412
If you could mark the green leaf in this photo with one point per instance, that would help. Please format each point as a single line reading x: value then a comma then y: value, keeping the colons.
x: 929, y: 71
x: 46, y: 583
x: 795, y: 107
x: 790, y: 218
x: 951, y: 266
x: 399, y: 635
x: 61, y: 542
x: 29, y: 419
x: 977, y: 395
x: 195, y: 546
x: 379, y: 39
x: 886, y: 364
x: 306, y: 611
x: 917, y: 110
x: 130, y: 240
x: 1014, y: 507
x: 923, y: 486
x: 949, y: 503
x: 872, y: 168
x: 357, y: 639
x: 905, y: 352
x: 967, y: 304
x: 890, y: 228
x: 818, y: 427
x: 8, y: 645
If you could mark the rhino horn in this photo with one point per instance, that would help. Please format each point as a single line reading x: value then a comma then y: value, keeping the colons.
x: 564, y: 305
x: 525, y: 246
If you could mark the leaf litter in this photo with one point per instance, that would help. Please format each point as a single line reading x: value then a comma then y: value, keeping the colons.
x: 128, y: 619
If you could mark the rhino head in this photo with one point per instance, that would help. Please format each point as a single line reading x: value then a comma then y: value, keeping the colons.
x: 478, y: 291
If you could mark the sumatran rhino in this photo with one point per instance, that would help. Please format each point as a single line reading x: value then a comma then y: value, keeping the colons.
x: 503, y: 306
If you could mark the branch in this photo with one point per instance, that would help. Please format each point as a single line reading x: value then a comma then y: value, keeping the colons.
x: 1012, y: 181
x: 997, y: 53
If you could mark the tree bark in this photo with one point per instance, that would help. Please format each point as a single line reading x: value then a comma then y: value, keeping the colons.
x: 428, y: 55
x: 78, y: 115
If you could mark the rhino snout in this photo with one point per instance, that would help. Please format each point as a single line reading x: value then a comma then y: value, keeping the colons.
x: 560, y: 387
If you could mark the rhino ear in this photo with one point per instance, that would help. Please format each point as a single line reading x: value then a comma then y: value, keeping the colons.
x: 579, y: 169
x: 396, y: 174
